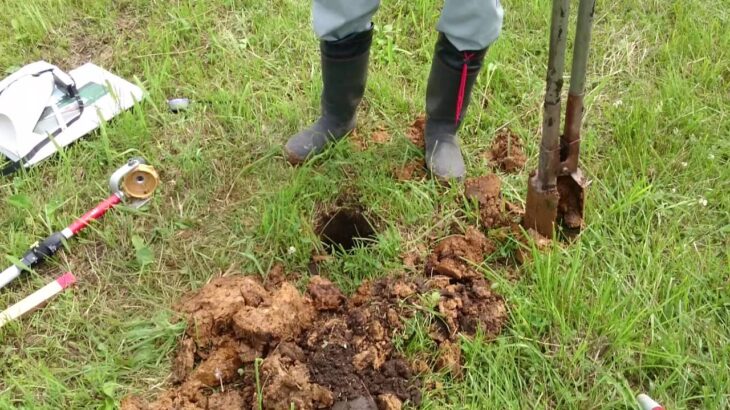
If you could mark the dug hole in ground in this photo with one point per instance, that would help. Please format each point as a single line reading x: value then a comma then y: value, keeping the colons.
x: 253, y: 343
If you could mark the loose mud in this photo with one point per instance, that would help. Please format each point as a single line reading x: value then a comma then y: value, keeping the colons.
x: 507, y: 152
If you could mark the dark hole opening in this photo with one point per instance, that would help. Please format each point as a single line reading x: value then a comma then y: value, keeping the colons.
x: 140, y: 178
x: 345, y: 228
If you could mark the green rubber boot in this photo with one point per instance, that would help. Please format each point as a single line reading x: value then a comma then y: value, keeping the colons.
x: 453, y: 74
x: 344, y: 74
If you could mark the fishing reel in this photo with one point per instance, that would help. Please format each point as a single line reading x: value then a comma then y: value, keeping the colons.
x: 135, y: 182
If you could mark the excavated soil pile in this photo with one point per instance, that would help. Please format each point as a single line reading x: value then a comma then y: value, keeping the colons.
x: 467, y: 301
x: 249, y: 344
x: 494, y: 211
x: 507, y: 152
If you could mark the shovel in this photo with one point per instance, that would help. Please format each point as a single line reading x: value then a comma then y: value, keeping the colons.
x: 555, y: 193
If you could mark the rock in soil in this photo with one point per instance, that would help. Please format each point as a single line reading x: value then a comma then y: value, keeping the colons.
x: 507, y: 152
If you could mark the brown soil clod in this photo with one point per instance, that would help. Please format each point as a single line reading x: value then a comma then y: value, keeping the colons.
x: 416, y: 132
x: 449, y: 358
x: 570, y: 205
x: 286, y: 315
x: 344, y: 228
x: 494, y: 211
x: 325, y: 295
x: 413, y: 171
x: 456, y: 255
x: 380, y: 136
x: 466, y: 302
x: 506, y: 152
x: 288, y: 382
x: 470, y: 306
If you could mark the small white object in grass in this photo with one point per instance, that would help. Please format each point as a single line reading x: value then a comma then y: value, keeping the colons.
x: 711, y: 156
x: 647, y: 403
x: 703, y: 201
x: 219, y: 376
x: 683, y: 164
x: 292, y: 250
x: 178, y: 104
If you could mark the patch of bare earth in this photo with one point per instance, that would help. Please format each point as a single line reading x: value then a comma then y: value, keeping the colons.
x: 507, y: 152
x: 417, y: 131
x: 494, y: 211
x: 412, y: 171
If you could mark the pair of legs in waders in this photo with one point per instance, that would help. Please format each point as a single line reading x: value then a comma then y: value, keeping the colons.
x: 467, y: 28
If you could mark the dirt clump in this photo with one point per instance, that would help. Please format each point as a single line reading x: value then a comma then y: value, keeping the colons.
x: 210, y: 312
x: 230, y: 399
x: 284, y: 317
x: 314, y: 351
x: 380, y: 136
x: 467, y: 307
x: 288, y: 381
x: 494, y: 211
x: 507, y: 152
x: 351, y: 352
x: 413, y: 171
x: 466, y: 302
x: 456, y: 255
x: 449, y: 358
x: 570, y: 205
x: 325, y: 295
x: 417, y: 131
x: 389, y: 402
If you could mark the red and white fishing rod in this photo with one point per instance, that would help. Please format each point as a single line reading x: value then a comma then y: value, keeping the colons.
x: 134, y: 183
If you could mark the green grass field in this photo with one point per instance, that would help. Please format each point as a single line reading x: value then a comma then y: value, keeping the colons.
x: 640, y: 303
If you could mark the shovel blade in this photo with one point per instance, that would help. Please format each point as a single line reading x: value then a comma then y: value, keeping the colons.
x: 541, y: 209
